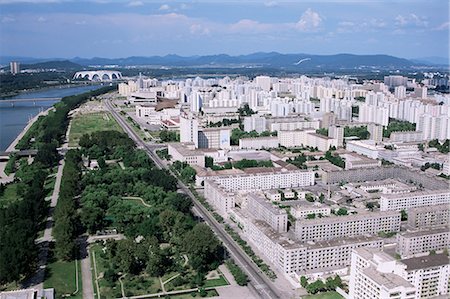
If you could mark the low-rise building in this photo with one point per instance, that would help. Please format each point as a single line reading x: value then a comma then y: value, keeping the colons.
x: 422, y: 242
x: 186, y: 152
x: 316, y: 208
x: 347, y: 226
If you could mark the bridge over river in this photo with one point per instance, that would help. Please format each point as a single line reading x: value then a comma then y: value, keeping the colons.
x: 29, y: 100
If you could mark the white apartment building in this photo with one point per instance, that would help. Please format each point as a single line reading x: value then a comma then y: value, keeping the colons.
x: 258, y: 142
x: 405, y: 201
x: 374, y: 113
x: 222, y: 200
x: 255, y: 123
x: 306, y: 138
x: 410, y: 244
x: 347, y: 226
x: 377, y: 275
x: 376, y: 132
x: 364, y: 147
x: 406, y: 136
x: 189, y: 128
x: 429, y: 216
x: 291, y: 256
x: 434, y: 127
x: 259, y: 208
x: 266, y: 179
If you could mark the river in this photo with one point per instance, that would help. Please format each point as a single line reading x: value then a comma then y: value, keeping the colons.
x: 14, y: 118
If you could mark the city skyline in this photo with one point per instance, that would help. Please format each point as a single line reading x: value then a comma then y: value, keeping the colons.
x: 111, y: 29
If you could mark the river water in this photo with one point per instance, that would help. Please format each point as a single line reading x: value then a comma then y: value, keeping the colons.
x: 14, y: 118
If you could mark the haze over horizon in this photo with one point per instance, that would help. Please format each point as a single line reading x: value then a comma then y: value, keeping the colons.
x: 116, y: 29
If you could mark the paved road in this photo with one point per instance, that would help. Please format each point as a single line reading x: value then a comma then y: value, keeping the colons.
x: 86, y: 273
x: 259, y: 283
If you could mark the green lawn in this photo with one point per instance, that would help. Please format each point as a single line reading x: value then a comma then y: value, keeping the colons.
x: 221, y: 281
x: 49, y: 185
x: 92, y: 122
x: 9, y: 196
x: 327, y: 295
x: 210, y: 293
x: 62, y: 277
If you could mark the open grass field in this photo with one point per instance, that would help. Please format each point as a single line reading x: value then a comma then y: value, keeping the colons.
x: 92, y: 122
x: 62, y: 277
x: 9, y: 196
x: 327, y: 295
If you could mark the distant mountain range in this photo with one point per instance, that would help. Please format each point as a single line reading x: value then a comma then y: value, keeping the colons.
x: 260, y: 59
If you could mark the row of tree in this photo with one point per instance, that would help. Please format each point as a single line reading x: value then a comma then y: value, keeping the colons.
x: 65, y: 216
x: 21, y: 219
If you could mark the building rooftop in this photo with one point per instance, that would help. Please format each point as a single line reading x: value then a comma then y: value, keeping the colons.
x: 433, y: 231
x: 388, y: 280
x: 417, y: 193
x: 342, y: 242
x: 347, y: 218
x: 429, y: 261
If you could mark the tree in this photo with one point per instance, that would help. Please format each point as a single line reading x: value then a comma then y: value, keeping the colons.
x: 311, y: 216
x: 188, y: 174
x: 92, y: 218
x: 404, y: 215
x: 209, y: 161
x: 342, y: 212
x: 202, y: 247
x: 303, y: 281
x: 315, y: 287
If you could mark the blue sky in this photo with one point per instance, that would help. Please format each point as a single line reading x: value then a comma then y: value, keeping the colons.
x: 107, y: 28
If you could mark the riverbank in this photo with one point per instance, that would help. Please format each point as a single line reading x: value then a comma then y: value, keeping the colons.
x: 13, y: 144
x: 62, y: 86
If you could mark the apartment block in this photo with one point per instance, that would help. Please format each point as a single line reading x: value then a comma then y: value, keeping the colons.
x: 347, y: 226
x: 292, y: 256
x: 429, y: 216
x: 376, y: 275
x: 258, y: 143
x: 261, y: 209
x: 419, y: 242
x: 264, y: 179
x: 398, y: 202
x: 222, y: 200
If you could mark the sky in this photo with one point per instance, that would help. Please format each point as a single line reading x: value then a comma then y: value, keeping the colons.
x: 114, y: 29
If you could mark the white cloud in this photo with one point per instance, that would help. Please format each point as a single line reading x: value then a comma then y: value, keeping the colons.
x: 41, y: 19
x: 198, y: 29
x: 184, y: 6
x: 164, y: 7
x: 411, y: 20
x: 310, y: 21
x: 443, y: 26
x: 8, y: 19
x: 135, y: 3
x: 271, y: 3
